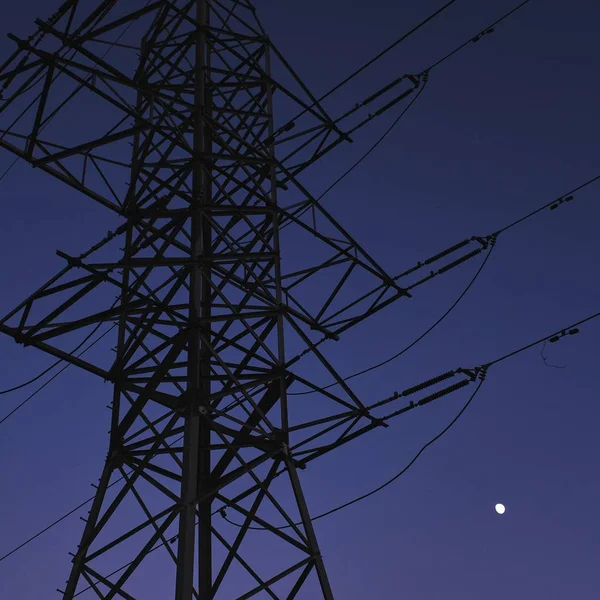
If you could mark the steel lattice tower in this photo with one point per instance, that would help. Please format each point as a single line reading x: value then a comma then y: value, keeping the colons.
x: 178, y: 139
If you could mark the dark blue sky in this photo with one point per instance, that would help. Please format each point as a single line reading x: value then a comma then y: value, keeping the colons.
x: 503, y: 127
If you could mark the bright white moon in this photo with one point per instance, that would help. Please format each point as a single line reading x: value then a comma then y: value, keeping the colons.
x: 500, y: 508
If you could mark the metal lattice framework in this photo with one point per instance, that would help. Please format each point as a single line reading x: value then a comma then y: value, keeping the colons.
x: 174, y: 132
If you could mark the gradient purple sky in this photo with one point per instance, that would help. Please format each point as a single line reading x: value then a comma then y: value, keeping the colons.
x: 503, y: 127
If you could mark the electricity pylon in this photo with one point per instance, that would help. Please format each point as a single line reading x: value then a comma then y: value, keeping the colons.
x: 174, y: 132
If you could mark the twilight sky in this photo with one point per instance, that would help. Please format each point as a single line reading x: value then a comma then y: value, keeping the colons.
x: 503, y: 127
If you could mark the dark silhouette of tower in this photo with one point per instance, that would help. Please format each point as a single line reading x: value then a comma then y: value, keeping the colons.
x: 163, y: 112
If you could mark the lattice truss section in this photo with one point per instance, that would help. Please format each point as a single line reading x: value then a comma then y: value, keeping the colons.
x: 163, y: 114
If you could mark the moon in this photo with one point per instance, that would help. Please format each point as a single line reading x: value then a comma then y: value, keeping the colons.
x: 500, y: 508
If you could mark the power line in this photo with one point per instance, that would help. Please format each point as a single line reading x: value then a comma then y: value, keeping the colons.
x: 335, y: 183
x: 383, y: 485
x: 42, y: 531
x: 68, y: 514
x: 191, y: 520
x: 33, y: 380
x: 425, y: 74
x: 364, y: 156
x: 22, y: 404
x: 552, y: 205
x: 388, y: 49
x: 567, y: 197
x: 356, y: 500
x: 378, y: 56
x: 414, y: 342
x: 570, y: 330
x: 377, y: 143
x: 487, y: 31
x: 222, y: 512
x: 58, y: 362
x: 4, y: 174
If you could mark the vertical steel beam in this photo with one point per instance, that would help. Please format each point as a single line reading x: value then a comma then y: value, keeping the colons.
x: 196, y: 454
x: 202, y: 181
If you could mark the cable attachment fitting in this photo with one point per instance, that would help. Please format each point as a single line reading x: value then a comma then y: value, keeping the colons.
x: 562, y: 334
x: 475, y: 373
x: 486, y: 240
x: 470, y: 373
x: 481, y: 372
x: 424, y: 76
x: 483, y: 33
x: 414, y: 79
x: 560, y: 201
